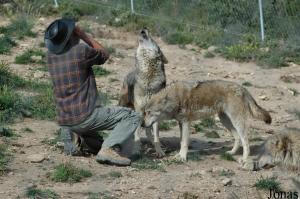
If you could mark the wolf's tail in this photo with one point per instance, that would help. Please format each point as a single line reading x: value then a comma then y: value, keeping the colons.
x: 257, y: 111
x: 127, y: 91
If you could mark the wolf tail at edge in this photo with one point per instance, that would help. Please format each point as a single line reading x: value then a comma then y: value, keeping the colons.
x: 127, y: 91
x: 257, y: 111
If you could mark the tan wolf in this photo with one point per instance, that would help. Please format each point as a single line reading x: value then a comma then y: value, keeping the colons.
x: 146, y: 79
x: 189, y: 101
x: 282, y: 149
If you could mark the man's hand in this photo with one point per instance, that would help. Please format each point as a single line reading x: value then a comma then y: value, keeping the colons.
x: 91, y: 42
x: 81, y: 34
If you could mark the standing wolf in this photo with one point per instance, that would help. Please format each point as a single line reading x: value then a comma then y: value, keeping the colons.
x: 189, y: 101
x: 146, y: 79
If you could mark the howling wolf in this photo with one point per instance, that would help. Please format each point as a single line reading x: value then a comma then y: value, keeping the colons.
x: 146, y: 79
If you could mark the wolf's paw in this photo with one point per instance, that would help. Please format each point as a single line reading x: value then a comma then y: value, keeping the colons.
x: 241, y: 161
x: 180, y: 157
x: 159, y: 152
x: 230, y: 152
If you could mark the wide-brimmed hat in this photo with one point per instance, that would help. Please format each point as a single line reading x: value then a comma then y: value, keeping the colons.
x: 58, y: 34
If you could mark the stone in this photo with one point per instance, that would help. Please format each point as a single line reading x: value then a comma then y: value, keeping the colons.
x: 212, y: 48
x: 36, y: 158
x: 227, y: 182
x: 38, y: 75
x: 263, y: 97
x: 36, y: 58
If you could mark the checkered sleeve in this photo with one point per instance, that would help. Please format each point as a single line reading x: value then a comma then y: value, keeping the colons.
x: 94, y: 56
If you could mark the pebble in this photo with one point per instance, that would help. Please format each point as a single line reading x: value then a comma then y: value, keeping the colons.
x: 263, y: 97
x: 39, y: 74
x: 36, y: 58
x: 227, y: 182
x: 36, y: 158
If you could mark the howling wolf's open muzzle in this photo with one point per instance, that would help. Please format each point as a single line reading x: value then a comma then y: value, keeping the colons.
x: 144, y: 33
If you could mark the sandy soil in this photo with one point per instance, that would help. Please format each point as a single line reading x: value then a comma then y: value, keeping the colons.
x: 199, y: 178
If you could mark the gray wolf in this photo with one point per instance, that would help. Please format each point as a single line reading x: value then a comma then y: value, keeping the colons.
x: 282, y: 149
x: 146, y: 79
x: 70, y: 66
x: 189, y: 101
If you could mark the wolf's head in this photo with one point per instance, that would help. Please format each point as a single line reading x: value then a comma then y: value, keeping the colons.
x: 274, y: 151
x: 159, y: 107
x: 148, y: 52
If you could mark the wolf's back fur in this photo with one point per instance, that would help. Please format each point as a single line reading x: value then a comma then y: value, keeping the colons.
x: 210, y: 97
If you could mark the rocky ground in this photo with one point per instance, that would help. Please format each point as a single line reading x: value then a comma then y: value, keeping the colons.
x: 207, y: 176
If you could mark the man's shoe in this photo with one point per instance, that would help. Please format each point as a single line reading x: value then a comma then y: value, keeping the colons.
x: 110, y: 156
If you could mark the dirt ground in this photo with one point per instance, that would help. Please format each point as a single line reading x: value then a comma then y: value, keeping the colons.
x: 199, y: 178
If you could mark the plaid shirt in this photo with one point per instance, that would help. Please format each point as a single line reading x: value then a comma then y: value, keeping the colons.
x: 74, y: 82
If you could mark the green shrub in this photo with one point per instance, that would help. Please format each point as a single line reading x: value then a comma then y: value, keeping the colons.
x: 227, y: 156
x: 9, y: 79
x: 4, y: 159
x: 6, y: 43
x: 69, y: 9
x: 35, y: 193
x: 207, y: 122
x: 26, y: 57
x: 146, y: 163
x: 42, y: 106
x: 6, y: 132
x: 181, y: 38
x: 19, y: 27
x: 241, y: 52
x: 100, y: 71
x: 268, y: 184
x: 11, y: 105
x: 166, y: 125
x: 69, y: 173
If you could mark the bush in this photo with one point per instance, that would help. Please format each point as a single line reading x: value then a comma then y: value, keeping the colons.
x: 6, y: 43
x: 35, y: 193
x: 4, y: 159
x: 27, y: 57
x: 227, y: 156
x: 8, y: 78
x: 42, y: 106
x: 100, y: 71
x: 70, y: 10
x: 69, y: 173
x: 268, y: 184
x: 19, y: 27
x: 179, y: 38
x: 11, y: 105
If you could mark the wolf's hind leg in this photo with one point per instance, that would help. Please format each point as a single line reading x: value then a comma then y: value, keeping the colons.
x: 225, y: 120
x: 240, y: 125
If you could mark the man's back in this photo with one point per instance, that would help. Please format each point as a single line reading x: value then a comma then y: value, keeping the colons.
x: 74, y: 82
